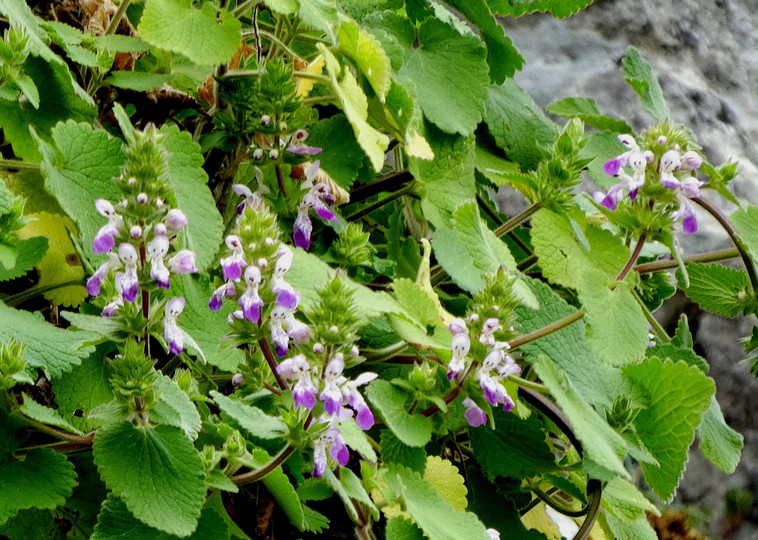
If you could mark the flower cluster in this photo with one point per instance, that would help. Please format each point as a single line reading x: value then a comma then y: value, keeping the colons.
x: 318, y: 197
x: 254, y: 270
x: 669, y: 168
x: 294, y: 143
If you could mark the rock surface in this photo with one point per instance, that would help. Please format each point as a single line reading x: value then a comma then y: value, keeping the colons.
x: 703, y: 54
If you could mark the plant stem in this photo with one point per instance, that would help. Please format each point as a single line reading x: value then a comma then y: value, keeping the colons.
x: 23, y: 296
x: 517, y: 220
x: 280, y: 180
x: 529, y: 384
x: 272, y: 38
x: 59, y: 434
x: 550, y: 501
x: 632, y: 258
x: 244, y: 6
x: 375, y: 206
x: 272, y: 363
x: 319, y: 99
x: 494, y: 217
x: 659, y: 331
x: 453, y: 393
x: 116, y: 20
x: 730, y: 230
x: 18, y: 164
x: 657, y: 266
x: 388, y: 183
x: 547, y: 330
x: 254, y: 476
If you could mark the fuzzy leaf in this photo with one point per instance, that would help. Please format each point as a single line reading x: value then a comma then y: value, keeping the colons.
x: 639, y: 74
x: 395, y: 451
x: 557, y: 8
x: 252, y: 419
x: 176, y: 409
x: 363, y: 49
x: 625, y: 501
x: 342, y: 156
x: 81, y: 390
x: 449, y: 75
x: 587, y: 111
x: 679, y: 395
x: 416, y: 301
x: 445, y: 478
x: 399, y: 528
x: 516, y: 448
x: 137, y: 80
x: 49, y: 348
x: 30, y: 252
x: 207, y: 36
x: 517, y: 124
x: 44, y: 479
x: 355, y: 106
x: 156, y: 472
x: 719, y: 443
x: 46, y: 415
x: 411, y: 429
x: 719, y: 289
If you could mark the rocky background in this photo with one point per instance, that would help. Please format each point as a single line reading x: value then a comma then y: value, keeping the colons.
x: 705, y: 53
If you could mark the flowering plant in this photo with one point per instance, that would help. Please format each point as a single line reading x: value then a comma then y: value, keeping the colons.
x: 284, y: 302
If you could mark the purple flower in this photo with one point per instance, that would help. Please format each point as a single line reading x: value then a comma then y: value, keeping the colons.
x: 249, y: 198
x: 104, y: 240
x: 637, y: 160
x: 313, y: 199
x: 460, y: 346
x: 171, y: 331
x: 93, y: 283
x: 364, y: 417
x: 332, y: 440
x: 157, y: 250
x: 458, y: 326
x: 298, y: 331
x: 474, y: 414
x: 494, y: 392
x: 232, y: 265
x: 686, y: 189
x: 183, y: 262
x: 297, y: 146
x: 175, y: 219
x: 331, y: 395
x: 250, y: 301
x: 128, y: 280
x: 238, y: 379
x: 279, y: 336
x: 304, y: 391
x: 286, y: 296
x: 226, y: 290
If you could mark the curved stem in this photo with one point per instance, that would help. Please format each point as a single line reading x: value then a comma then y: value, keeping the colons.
x: 550, y: 501
x: 57, y: 433
x: 659, y: 331
x: 517, y: 220
x: 595, y: 492
x: 388, y: 183
x: 657, y: 266
x: 730, y: 230
x: 375, y: 206
x: 529, y: 384
x: 453, y: 393
x: 547, y: 330
x: 272, y: 38
x: 280, y: 180
x: 116, y: 20
x: 272, y: 363
x: 23, y: 296
x: 254, y: 476
x: 632, y: 258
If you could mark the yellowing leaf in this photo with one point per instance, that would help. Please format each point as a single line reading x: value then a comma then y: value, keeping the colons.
x: 304, y: 86
x: 61, y: 263
x: 446, y: 479
x: 368, y: 55
x: 417, y: 146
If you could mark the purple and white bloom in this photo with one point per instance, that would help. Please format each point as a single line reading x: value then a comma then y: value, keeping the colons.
x: 175, y: 219
x: 135, y: 232
x: 157, y: 249
x: 142, y: 198
x: 93, y: 283
x: 686, y: 189
x: 183, y: 262
x: 475, y: 415
x: 494, y: 534
x: 297, y: 147
x: 160, y: 229
x: 363, y: 415
x: 297, y: 330
x: 331, y: 394
x: 249, y: 198
x: 227, y: 290
x: 489, y: 328
x: 110, y: 309
x: 330, y: 440
x: 635, y: 158
x: 238, y: 379
x: 105, y: 240
x: 128, y: 278
x: 304, y: 391
x: 232, y: 265
x: 494, y: 391
x: 458, y: 326
x: 315, y: 198
x: 613, y: 166
x: 250, y: 301
x: 279, y: 336
x: 171, y: 331
x: 286, y: 296
x: 460, y: 346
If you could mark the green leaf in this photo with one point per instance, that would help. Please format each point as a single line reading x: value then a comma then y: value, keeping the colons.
x: 21, y: 15
x: 402, y: 249
x: 355, y: 105
x: 602, y: 445
x: 342, y: 156
x: 137, y: 80
x: 79, y: 170
x: 431, y: 512
x: 122, y: 44
x: 557, y: 8
x: 203, y: 325
x: 675, y: 354
x: 600, y: 148
x: 625, y: 502
x: 416, y: 301
x: 46, y: 415
x: 30, y: 252
x: 639, y: 74
x: 49, y: 348
x: 719, y: 443
x: 745, y: 220
x: 319, y: 14
x: 447, y: 180
x: 639, y: 529
x: 502, y: 56
x: 587, y: 111
x: 516, y: 449
x: 617, y: 327
x: 32, y: 524
x: 355, y: 490
x: 367, y: 53
x: 186, y: 175
x: 78, y: 392
x: 251, y: 419
x: 280, y: 487
x: 156, y: 472
x: 564, y: 260
x: 597, y: 382
x: 8, y: 256
x: 411, y: 429
x: 357, y: 439
x: 517, y: 124
x: 399, y: 528
x: 207, y: 36
x: 679, y: 395
x: 719, y: 289
x: 395, y: 451
x: 448, y: 74
x: 445, y: 478
x: 175, y: 408
x: 115, y: 522
x: 44, y: 479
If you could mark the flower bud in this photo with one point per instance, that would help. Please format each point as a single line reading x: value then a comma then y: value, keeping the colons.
x: 238, y: 379
x: 258, y: 154
x: 160, y: 229
x: 265, y: 120
x: 142, y: 198
x: 159, y: 203
x: 135, y: 232
x: 273, y: 154
x: 175, y: 219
